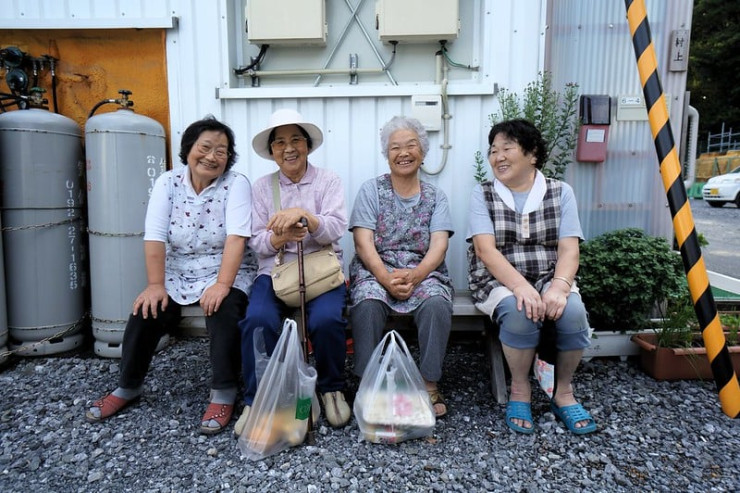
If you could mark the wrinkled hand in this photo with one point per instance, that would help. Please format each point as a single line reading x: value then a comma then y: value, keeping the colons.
x: 287, y: 222
x: 153, y: 295
x: 401, y: 283
x: 555, y: 300
x: 529, y: 300
x: 212, y: 297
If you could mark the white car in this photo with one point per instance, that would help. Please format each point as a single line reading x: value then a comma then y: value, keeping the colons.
x: 722, y: 189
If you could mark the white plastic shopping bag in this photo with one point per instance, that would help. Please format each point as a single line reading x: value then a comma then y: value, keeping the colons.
x: 279, y: 415
x: 392, y: 404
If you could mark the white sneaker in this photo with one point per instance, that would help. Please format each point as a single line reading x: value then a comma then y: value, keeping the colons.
x: 336, y: 408
x: 239, y: 426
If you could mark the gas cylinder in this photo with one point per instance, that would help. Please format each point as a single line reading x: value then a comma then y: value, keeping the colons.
x: 125, y: 153
x: 42, y: 199
x: 3, y: 311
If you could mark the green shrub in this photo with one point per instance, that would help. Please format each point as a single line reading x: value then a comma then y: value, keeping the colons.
x: 623, y: 274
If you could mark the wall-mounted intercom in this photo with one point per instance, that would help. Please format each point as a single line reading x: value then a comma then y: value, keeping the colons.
x: 596, y: 114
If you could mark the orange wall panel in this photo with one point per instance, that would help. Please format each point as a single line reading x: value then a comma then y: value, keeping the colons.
x: 94, y: 64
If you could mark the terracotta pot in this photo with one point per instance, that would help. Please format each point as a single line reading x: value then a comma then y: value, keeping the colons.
x: 663, y: 363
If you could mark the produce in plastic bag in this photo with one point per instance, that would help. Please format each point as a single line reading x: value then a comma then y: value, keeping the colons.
x: 392, y: 404
x: 278, y: 418
x: 545, y: 373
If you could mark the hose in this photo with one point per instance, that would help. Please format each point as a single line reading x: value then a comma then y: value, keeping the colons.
x: 98, y: 105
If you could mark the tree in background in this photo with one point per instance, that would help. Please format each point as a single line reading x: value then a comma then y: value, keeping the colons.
x: 714, y: 64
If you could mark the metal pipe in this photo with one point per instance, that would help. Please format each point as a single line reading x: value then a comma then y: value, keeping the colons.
x: 343, y: 34
x: 325, y: 71
x: 445, y: 123
x: 375, y: 50
x: 692, y: 140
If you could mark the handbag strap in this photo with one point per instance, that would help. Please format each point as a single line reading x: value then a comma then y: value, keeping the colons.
x: 277, y: 207
x: 276, y: 191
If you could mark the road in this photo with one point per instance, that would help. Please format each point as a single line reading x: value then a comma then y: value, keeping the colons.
x: 721, y: 228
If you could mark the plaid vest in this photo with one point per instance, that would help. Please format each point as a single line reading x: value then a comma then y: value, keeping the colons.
x: 534, y: 256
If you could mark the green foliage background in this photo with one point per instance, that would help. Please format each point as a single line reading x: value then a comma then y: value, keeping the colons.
x: 714, y: 60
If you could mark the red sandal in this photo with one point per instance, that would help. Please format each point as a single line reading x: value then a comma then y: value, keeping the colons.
x: 220, y: 413
x: 109, y: 405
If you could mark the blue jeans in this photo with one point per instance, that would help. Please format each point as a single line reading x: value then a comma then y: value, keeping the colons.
x: 326, y: 326
x: 519, y: 332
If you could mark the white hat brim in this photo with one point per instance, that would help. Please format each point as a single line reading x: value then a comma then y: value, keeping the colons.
x: 279, y: 119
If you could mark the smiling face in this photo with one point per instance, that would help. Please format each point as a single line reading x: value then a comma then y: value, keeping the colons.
x: 290, y: 151
x: 208, y: 157
x: 404, y: 153
x: 511, y: 165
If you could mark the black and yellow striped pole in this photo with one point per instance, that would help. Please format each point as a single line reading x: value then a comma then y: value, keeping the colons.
x: 683, y: 221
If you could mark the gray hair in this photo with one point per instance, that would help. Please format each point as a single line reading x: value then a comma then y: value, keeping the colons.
x: 403, y: 123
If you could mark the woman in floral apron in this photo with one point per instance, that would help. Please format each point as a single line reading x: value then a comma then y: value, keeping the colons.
x: 401, y: 228
x: 197, y: 224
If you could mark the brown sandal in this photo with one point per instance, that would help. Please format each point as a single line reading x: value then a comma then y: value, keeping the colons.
x: 437, y: 398
x: 109, y: 405
x: 220, y: 413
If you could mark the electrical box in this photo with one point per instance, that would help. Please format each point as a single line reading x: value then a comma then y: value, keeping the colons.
x: 417, y: 21
x: 286, y: 22
x: 428, y: 110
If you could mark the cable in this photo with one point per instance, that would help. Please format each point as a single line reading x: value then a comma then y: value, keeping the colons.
x: 453, y: 63
x: 257, y: 61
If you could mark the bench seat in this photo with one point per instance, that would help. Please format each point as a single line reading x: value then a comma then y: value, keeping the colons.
x: 465, y: 318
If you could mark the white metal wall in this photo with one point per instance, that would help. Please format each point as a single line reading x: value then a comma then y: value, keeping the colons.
x: 513, y: 33
x: 591, y: 44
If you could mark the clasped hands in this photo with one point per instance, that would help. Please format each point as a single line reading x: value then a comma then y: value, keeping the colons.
x: 550, y: 304
x: 401, y: 283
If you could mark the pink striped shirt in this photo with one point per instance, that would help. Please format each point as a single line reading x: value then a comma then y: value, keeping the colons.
x: 320, y: 192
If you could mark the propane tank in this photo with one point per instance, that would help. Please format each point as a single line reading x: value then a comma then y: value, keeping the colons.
x: 41, y: 177
x: 125, y: 153
x: 3, y: 311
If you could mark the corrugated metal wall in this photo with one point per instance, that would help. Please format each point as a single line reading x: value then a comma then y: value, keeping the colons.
x: 351, y: 124
x: 590, y: 44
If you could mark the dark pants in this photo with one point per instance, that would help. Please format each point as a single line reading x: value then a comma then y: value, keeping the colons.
x: 433, y: 319
x: 326, y: 327
x: 142, y: 336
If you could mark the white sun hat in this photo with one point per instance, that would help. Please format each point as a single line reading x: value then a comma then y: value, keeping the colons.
x: 285, y: 117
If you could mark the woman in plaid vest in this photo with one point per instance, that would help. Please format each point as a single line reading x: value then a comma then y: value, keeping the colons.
x: 525, y: 233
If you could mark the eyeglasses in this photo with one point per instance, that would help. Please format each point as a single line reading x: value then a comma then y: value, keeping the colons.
x: 280, y: 144
x: 218, y: 152
x: 409, y: 147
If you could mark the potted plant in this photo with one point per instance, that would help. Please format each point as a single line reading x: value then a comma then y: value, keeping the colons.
x: 623, y: 276
x: 675, y: 350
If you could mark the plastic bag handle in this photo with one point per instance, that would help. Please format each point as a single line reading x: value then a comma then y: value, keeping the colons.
x: 392, y: 334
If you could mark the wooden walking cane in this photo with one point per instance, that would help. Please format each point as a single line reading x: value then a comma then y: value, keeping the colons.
x: 310, y: 432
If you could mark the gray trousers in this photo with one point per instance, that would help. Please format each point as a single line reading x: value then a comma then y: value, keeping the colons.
x: 433, y: 319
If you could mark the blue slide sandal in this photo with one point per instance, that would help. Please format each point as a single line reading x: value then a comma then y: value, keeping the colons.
x: 519, y: 410
x: 570, y: 415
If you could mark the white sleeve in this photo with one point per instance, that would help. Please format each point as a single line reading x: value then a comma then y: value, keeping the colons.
x: 239, y: 208
x: 159, y: 209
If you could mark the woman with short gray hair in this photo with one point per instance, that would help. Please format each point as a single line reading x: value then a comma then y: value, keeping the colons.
x: 401, y: 227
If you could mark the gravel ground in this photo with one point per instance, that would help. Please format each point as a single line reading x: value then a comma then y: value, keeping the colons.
x: 653, y: 436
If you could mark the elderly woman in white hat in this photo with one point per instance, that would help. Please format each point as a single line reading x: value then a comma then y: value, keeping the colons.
x: 315, y: 194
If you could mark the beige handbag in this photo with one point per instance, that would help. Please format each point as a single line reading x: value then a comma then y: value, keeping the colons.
x: 322, y: 271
